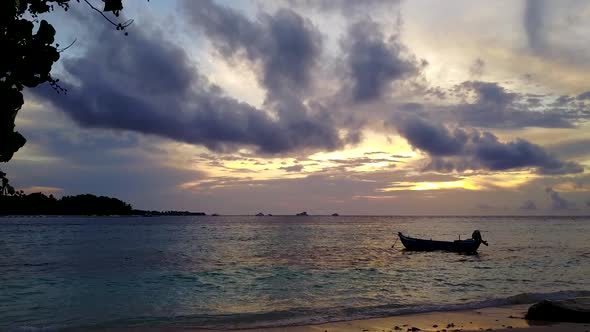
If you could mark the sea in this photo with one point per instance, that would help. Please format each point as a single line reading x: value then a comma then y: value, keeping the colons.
x: 234, y: 272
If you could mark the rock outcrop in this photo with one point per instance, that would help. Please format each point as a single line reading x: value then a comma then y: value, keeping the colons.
x: 574, y: 310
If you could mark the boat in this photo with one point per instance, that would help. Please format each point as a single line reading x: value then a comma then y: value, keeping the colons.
x: 465, y: 246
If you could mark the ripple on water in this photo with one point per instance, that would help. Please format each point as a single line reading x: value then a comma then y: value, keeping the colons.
x: 231, y: 270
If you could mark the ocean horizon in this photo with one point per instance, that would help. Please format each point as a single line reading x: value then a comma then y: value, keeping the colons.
x: 229, y: 272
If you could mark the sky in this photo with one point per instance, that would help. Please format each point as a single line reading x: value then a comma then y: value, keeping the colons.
x: 364, y: 108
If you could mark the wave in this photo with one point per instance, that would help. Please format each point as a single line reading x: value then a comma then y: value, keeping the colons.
x: 306, y: 316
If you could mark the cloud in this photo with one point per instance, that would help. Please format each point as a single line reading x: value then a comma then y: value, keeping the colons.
x: 41, y: 189
x: 79, y: 161
x: 460, y: 150
x: 294, y: 168
x: 345, y: 7
x: 374, y: 61
x: 557, y: 202
x: 477, y: 68
x: 528, y: 205
x: 285, y: 45
x: 584, y: 96
x: 495, y: 107
x: 433, y: 139
x: 146, y: 84
x: 534, y: 24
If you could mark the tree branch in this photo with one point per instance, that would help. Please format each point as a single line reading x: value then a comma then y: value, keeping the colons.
x: 65, y: 48
x: 120, y: 26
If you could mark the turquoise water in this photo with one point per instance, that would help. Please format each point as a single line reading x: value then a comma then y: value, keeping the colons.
x: 235, y: 272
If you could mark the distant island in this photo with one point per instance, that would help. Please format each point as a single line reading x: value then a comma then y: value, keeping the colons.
x: 167, y: 213
x: 20, y: 203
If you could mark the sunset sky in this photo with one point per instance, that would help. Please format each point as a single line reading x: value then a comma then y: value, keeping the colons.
x: 356, y: 107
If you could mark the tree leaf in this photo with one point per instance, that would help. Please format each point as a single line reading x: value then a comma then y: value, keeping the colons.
x: 114, y: 6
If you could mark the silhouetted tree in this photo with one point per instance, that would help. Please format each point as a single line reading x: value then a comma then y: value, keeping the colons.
x: 40, y: 204
x: 5, y: 188
x: 27, y: 58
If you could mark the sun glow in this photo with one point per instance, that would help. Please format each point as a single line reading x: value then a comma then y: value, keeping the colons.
x: 461, y: 184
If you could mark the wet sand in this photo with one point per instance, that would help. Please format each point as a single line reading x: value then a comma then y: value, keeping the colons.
x: 507, y: 318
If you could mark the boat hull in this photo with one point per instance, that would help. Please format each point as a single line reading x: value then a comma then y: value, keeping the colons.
x: 413, y: 244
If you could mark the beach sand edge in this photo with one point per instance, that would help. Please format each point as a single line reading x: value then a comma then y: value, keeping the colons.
x: 504, y: 318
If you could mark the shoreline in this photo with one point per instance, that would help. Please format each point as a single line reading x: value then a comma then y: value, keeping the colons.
x: 506, y: 318
x: 500, y: 318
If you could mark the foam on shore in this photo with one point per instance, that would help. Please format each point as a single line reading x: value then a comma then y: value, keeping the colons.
x: 504, y: 318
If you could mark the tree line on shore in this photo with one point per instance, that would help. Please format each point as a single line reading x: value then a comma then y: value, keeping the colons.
x: 85, y: 205
x: 16, y: 202
x: 40, y: 204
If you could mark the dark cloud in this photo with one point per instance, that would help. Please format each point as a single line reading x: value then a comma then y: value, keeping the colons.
x: 562, y: 101
x: 492, y: 106
x: 283, y: 49
x: 459, y: 150
x: 144, y: 83
x: 374, y: 61
x: 557, y: 202
x: 374, y: 153
x: 552, y: 30
x: 294, y: 168
x: 528, y: 205
x: 432, y: 139
x: 284, y: 45
x: 534, y: 24
x: 584, y: 96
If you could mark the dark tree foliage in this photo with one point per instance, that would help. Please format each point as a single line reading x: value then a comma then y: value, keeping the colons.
x: 40, y: 204
x: 28, y: 53
x: 5, y: 187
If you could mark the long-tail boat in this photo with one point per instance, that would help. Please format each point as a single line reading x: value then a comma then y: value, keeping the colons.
x: 466, y: 246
